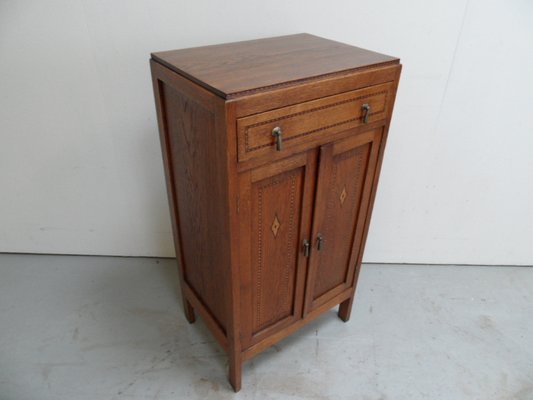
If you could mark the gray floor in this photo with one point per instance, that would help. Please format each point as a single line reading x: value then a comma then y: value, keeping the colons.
x: 112, y: 328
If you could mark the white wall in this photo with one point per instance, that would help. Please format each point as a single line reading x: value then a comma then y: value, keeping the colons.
x: 80, y: 165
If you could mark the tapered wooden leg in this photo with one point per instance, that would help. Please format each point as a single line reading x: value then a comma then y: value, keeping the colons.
x: 188, y: 310
x: 345, y: 309
x: 235, y: 371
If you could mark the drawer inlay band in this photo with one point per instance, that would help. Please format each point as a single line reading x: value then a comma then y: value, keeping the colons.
x: 246, y: 132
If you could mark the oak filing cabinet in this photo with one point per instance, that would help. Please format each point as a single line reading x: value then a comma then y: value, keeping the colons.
x: 272, y: 151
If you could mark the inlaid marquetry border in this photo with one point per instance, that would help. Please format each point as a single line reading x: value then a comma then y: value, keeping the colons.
x: 249, y: 149
x: 360, y: 153
x: 259, y: 323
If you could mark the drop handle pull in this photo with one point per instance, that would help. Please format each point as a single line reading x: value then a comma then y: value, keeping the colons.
x: 278, y: 134
x: 306, y: 247
x: 366, y: 112
x: 319, y: 242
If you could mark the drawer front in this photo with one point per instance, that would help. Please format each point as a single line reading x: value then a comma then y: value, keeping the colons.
x: 311, y: 123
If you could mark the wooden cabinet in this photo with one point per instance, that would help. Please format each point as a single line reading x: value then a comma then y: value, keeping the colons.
x: 272, y: 150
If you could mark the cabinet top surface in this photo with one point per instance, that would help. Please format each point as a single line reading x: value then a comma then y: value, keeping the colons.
x: 235, y: 69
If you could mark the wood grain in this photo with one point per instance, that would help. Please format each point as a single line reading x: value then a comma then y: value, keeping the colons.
x: 344, y: 184
x: 241, y: 210
x: 274, y: 222
x: 243, y: 68
x: 306, y: 122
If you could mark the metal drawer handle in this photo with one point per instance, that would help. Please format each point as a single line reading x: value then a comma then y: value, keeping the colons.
x: 277, y: 133
x: 366, y: 112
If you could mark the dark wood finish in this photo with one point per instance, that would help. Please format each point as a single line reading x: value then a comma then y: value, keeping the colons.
x: 237, y: 69
x: 241, y: 209
x: 308, y: 124
x: 275, y: 214
x: 343, y: 193
x: 183, y: 110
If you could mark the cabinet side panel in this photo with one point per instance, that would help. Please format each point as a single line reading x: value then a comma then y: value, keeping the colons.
x: 200, y: 198
x: 376, y: 176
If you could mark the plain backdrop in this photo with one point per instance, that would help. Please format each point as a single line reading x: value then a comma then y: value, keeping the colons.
x: 80, y: 163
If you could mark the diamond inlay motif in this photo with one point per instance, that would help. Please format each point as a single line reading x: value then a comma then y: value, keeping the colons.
x: 343, y: 195
x: 275, y: 226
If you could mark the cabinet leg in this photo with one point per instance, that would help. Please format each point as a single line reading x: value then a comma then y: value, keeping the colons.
x: 188, y: 310
x: 235, y: 371
x: 345, y: 309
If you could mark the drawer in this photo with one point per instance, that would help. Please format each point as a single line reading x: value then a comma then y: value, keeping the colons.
x: 310, y: 123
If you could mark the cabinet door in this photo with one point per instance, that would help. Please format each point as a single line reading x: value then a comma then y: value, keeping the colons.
x: 345, y: 178
x: 275, y: 210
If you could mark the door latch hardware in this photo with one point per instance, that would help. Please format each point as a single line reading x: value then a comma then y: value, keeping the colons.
x: 306, y: 248
x: 319, y: 241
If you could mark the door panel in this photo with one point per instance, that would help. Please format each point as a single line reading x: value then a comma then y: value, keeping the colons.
x: 344, y: 184
x: 275, y: 212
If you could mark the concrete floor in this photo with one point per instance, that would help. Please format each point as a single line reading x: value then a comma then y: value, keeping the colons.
x: 112, y: 328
